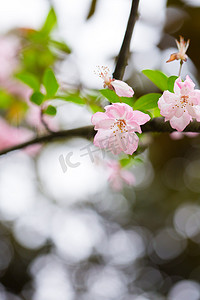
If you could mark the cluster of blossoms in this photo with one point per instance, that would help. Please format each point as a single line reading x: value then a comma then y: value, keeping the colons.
x: 118, y: 126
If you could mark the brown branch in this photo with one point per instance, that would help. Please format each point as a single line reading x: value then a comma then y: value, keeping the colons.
x: 88, y: 132
x: 123, y: 56
x: 92, y: 9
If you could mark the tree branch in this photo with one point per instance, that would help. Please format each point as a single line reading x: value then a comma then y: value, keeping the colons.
x: 125, y: 48
x: 88, y: 132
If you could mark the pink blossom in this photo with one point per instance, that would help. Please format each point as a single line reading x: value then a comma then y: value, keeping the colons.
x: 121, y: 88
x: 33, y: 115
x: 180, y: 135
x: 118, y: 175
x: 9, y: 47
x: 12, y: 136
x: 117, y: 126
x: 181, y: 106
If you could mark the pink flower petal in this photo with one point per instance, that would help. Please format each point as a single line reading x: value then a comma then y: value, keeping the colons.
x: 178, y: 112
x: 118, y: 175
x: 122, y: 89
x: 113, y: 111
x: 195, y: 97
x: 194, y: 112
x: 132, y: 143
x: 128, y: 177
x: 177, y: 85
x: 104, y: 124
x: 180, y: 123
x: 101, y: 139
x: 133, y: 126
x: 169, y: 97
x: 98, y: 116
x: 140, y: 117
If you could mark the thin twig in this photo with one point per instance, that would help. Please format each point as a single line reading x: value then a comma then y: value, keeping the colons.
x: 44, y: 122
x: 181, y: 64
x: 88, y: 132
x: 122, y: 58
x: 92, y: 9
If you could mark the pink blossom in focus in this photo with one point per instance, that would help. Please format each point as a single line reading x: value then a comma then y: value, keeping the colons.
x: 181, y: 106
x: 118, y: 175
x: 117, y: 126
x: 121, y: 88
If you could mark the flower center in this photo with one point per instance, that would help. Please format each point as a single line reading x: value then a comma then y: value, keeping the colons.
x: 119, y: 127
x: 182, y: 102
x: 184, y: 99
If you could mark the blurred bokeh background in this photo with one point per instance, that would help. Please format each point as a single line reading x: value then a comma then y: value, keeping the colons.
x: 64, y: 233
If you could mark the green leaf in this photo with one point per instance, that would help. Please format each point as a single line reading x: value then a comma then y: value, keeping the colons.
x: 170, y: 83
x: 110, y: 95
x: 60, y: 46
x: 50, y: 23
x: 147, y: 101
x: 50, y: 110
x: 95, y: 108
x: 29, y: 79
x: 72, y: 98
x: 158, y: 78
x: 6, y: 100
x: 155, y: 112
x: 37, y: 98
x: 128, y: 100
x: 125, y: 162
x: 50, y: 83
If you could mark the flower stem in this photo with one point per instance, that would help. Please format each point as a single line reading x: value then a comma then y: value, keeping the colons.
x: 44, y: 123
x: 181, y: 64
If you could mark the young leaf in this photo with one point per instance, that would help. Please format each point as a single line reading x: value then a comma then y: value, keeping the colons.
x: 29, y: 79
x: 50, y: 110
x: 128, y: 100
x: 110, y: 95
x: 170, y: 83
x: 60, y: 46
x: 126, y: 162
x: 95, y: 108
x: 72, y: 98
x: 158, y: 78
x: 155, y: 112
x: 147, y: 101
x: 50, y: 22
x: 50, y: 83
x: 6, y: 100
x: 37, y: 98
